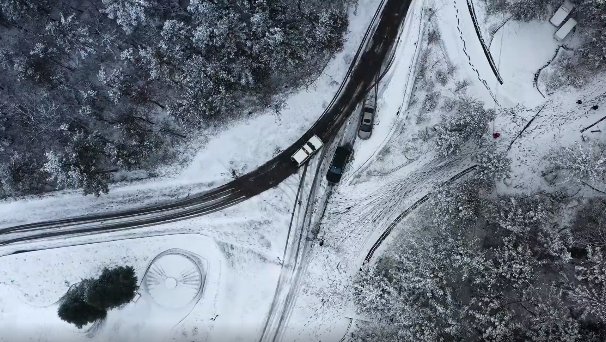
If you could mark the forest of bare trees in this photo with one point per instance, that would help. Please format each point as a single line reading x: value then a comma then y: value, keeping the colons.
x: 91, y: 89
x: 475, y: 266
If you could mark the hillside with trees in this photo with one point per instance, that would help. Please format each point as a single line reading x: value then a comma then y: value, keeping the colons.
x: 93, y: 89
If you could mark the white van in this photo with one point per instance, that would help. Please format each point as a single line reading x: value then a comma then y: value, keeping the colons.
x: 309, y: 148
x: 561, y: 14
x: 565, y: 29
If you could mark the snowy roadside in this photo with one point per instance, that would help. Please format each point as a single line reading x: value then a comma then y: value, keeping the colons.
x: 321, y: 310
x: 232, y: 151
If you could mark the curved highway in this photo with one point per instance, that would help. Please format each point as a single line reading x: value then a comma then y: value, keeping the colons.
x: 367, y: 63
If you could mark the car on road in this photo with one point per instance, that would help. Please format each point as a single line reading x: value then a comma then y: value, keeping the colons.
x: 339, y: 161
x: 307, y: 150
x: 368, y: 116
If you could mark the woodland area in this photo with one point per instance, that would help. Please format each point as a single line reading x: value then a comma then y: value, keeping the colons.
x: 477, y: 267
x: 92, y: 90
x: 477, y: 264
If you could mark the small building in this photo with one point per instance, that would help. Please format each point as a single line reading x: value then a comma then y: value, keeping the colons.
x: 561, y: 14
x: 565, y: 29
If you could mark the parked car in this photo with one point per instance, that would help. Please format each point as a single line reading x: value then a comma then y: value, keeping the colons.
x: 561, y: 14
x: 565, y: 29
x: 368, y: 116
x: 307, y: 150
x: 339, y: 161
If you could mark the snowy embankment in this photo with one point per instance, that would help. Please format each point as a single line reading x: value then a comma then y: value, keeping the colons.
x: 238, y: 148
x: 321, y: 310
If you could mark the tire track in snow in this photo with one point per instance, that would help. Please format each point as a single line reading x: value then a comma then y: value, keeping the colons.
x: 469, y: 57
x: 474, y: 18
x: 405, y: 101
x: 410, y: 209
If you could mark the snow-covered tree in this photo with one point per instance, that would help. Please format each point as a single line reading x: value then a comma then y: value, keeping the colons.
x: 82, y: 164
x: 70, y: 37
x: 580, y: 163
x: 127, y: 13
x: 590, y: 294
x: 471, y: 268
x: 130, y: 78
x: 467, y: 121
x: 589, y: 225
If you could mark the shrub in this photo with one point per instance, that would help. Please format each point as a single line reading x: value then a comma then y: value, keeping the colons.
x: 89, y: 300
x: 113, y: 288
x: 466, y: 123
x: 74, y: 309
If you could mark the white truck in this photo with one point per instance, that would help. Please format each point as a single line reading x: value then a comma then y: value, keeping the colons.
x: 309, y: 148
x: 565, y: 29
x: 561, y: 14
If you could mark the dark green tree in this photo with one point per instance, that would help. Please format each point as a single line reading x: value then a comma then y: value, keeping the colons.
x: 75, y: 310
x: 113, y: 288
x: 89, y: 300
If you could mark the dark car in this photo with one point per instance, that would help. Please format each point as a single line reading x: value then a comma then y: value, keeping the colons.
x: 338, y: 164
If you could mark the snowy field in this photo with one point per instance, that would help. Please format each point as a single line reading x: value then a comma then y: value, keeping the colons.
x: 238, y: 283
x: 241, y: 250
x: 233, y: 150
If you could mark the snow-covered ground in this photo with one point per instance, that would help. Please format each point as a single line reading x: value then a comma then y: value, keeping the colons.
x: 322, y: 310
x: 247, y: 144
x: 397, y: 166
x: 520, y: 49
x: 243, y: 246
x: 238, y: 148
x: 240, y: 248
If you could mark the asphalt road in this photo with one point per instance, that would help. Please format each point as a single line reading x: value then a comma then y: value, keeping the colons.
x: 361, y: 75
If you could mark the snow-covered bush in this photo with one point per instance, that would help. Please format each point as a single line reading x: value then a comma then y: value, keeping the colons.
x: 127, y: 13
x: 523, y: 214
x: 465, y: 122
x: 579, y: 163
x: 590, y: 295
x: 493, y: 164
x: 589, y: 225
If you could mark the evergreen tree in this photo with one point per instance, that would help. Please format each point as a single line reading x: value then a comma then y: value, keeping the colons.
x: 90, y: 300
x: 74, y: 309
x: 113, y: 288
